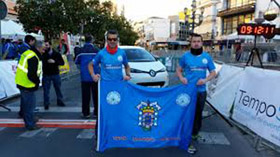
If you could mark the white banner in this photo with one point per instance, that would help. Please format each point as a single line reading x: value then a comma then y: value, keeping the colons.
x: 257, y: 103
x: 221, y: 90
x: 8, y: 74
x: 2, y: 90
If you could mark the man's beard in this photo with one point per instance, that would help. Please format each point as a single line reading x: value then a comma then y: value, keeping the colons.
x: 48, y: 50
x: 196, y: 52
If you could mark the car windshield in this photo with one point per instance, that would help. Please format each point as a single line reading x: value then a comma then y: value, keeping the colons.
x: 139, y: 55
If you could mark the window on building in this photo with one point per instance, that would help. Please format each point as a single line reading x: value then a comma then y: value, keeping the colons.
x: 241, y: 19
x: 239, y: 3
x: 234, y: 23
x: 230, y: 24
x: 248, y: 18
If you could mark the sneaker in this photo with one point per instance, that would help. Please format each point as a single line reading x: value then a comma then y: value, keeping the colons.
x: 85, y: 117
x: 196, y: 137
x: 36, y: 110
x: 33, y: 128
x: 46, y: 107
x: 60, y: 104
x: 191, y: 149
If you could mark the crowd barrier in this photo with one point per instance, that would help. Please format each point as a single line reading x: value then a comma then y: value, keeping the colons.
x: 249, y: 98
x: 8, y: 72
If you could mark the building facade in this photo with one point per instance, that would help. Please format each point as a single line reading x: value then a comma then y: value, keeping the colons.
x: 235, y: 12
x: 157, y: 29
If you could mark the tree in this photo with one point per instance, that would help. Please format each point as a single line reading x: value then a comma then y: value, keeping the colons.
x: 75, y: 16
x: 52, y: 17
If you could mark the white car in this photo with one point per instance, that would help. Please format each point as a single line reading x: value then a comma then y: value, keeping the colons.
x: 145, y: 69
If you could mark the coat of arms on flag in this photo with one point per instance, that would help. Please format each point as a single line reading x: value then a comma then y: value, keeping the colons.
x: 148, y: 114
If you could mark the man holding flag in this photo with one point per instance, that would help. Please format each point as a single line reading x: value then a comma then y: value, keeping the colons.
x: 111, y: 59
x: 194, y: 64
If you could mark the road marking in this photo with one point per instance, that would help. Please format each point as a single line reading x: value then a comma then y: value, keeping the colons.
x: 29, y: 134
x: 2, y: 128
x: 51, y: 109
x: 51, y: 123
x: 213, y: 138
x: 46, y: 132
x: 86, y: 134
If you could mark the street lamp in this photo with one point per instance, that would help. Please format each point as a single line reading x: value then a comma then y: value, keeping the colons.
x: 186, y: 22
x: 270, y: 16
x: 196, y: 16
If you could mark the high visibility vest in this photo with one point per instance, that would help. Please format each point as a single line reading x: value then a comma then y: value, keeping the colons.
x: 22, y: 69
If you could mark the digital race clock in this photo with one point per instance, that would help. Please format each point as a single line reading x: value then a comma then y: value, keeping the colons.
x: 266, y: 30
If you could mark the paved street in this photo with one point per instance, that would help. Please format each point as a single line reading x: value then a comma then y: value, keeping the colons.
x: 220, y: 139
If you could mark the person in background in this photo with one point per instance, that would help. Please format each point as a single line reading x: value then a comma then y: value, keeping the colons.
x: 29, y: 42
x: 51, y: 61
x: 89, y: 87
x: 9, y: 51
x: 77, y: 50
x: 62, y: 47
x: 27, y: 81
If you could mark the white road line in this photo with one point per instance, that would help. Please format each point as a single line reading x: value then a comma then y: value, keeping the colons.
x: 213, y: 138
x: 43, y: 132
x: 29, y: 134
x: 46, y: 132
x: 86, y: 134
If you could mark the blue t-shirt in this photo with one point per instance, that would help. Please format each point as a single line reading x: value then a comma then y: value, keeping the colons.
x: 195, y: 67
x: 111, y: 64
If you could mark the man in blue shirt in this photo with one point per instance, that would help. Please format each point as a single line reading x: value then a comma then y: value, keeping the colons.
x: 89, y: 87
x: 111, y: 59
x: 194, y: 64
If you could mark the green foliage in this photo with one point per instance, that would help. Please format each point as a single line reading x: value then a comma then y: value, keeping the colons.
x: 74, y: 16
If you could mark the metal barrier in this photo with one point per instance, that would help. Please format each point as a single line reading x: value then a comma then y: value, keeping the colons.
x: 170, y: 63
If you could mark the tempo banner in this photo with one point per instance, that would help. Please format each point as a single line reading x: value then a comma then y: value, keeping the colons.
x: 257, y: 103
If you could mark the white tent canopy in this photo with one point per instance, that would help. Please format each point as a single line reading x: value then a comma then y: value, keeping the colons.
x: 13, y: 30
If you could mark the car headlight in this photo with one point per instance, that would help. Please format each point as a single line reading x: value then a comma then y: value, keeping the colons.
x: 135, y: 70
x: 162, y: 70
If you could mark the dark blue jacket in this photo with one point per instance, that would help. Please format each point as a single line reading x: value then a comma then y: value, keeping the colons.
x: 88, y: 52
x: 10, y: 49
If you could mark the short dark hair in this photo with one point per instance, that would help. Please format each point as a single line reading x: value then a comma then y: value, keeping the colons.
x: 88, y: 38
x: 48, y: 41
x: 39, y: 44
x: 112, y: 31
x: 195, y: 35
x: 29, y: 38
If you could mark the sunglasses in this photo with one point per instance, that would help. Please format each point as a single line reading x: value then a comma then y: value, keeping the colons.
x: 112, y: 39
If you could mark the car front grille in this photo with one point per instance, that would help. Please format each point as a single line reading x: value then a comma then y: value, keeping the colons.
x: 151, y: 83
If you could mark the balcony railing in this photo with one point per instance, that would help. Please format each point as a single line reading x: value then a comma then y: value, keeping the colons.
x: 238, y: 9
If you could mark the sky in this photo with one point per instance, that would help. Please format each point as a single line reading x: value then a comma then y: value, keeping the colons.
x: 141, y: 9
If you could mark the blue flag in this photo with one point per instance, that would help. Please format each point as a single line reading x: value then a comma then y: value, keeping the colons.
x: 132, y: 116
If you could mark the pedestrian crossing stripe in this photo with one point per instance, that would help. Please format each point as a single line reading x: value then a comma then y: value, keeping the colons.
x: 51, y: 123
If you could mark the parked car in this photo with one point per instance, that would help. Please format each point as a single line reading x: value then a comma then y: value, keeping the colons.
x: 145, y: 69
